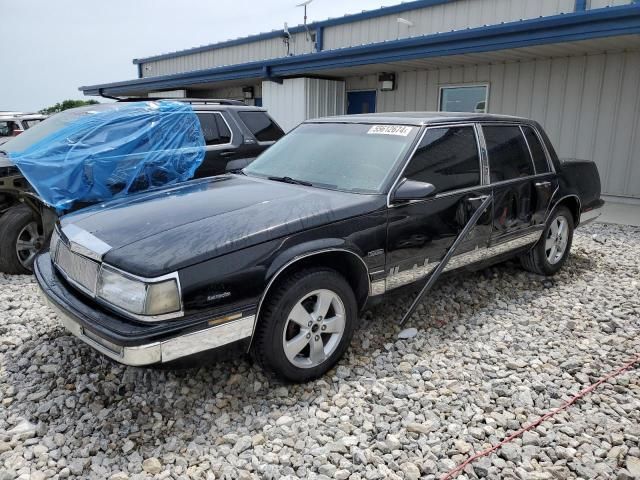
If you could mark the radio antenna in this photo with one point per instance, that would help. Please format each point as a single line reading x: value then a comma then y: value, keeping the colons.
x: 305, y: 4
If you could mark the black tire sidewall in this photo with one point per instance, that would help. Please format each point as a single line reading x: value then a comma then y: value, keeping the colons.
x: 545, y: 265
x: 278, y: 313
x: 11, y: 224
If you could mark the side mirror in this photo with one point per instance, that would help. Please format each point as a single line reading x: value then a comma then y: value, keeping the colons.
x: 413, y: 190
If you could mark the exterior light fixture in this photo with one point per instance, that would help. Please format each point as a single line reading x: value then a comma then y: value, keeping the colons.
x: 247, y: 93
x: 387, y: 82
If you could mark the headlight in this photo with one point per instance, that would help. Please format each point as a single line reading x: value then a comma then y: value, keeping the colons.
x: 136, y: 296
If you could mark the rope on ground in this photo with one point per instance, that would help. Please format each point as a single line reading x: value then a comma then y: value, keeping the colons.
x: 453, y: 473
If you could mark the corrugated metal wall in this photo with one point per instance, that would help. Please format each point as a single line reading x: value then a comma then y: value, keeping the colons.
x: 298, y: 99
x: 249, y: 52
x: 589, y: 105
x: 441, y: 18
x: 607, y: 3
x: 232, y: 93
x: 456, y: 15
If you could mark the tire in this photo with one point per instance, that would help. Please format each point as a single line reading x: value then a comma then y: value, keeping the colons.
x: 305, y: 289
x: 19, y: 223
x: 546, y: 257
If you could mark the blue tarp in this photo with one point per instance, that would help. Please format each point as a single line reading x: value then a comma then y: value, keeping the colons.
x: 110, y: 150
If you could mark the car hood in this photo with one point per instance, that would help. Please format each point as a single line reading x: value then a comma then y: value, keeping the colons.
x: 165, y: 230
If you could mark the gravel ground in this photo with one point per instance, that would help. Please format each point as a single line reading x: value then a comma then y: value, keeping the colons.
x: 494, y: 350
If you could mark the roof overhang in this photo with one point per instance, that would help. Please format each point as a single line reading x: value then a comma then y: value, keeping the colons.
x: 573, y: 27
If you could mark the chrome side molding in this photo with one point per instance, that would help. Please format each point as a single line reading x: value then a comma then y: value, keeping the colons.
x: 396, y: 278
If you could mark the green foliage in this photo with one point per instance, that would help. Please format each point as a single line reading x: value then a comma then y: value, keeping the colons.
x: 65, y: 105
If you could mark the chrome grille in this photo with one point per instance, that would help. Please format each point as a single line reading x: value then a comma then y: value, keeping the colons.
x: 77, y: 268
x: 53, y: 244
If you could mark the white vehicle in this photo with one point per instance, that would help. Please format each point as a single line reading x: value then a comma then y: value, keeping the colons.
x: 14, y: 123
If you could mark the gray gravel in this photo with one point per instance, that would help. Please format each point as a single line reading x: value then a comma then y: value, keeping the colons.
x: 493, y: 350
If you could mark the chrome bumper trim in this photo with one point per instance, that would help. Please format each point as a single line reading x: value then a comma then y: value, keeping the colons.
x: 396, y: 278
x: 590, y: 216
x: 159, y: 352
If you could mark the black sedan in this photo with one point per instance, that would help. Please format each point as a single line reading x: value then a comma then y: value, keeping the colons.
x: 280, y: 259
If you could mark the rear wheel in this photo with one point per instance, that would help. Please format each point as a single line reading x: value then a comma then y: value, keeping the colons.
x: 306, y: 326
x: 21, y: 239
x: 552, y: 250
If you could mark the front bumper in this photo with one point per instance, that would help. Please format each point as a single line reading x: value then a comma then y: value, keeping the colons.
x: 133, y: 344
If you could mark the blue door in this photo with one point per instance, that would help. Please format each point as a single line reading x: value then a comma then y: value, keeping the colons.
x: 361, y: 102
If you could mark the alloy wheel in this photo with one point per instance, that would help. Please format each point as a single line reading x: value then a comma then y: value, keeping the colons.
x: 557, y: 239
x: 314, y: 328
x: 30, y: 241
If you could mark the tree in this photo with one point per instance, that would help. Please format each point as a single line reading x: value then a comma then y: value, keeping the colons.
x: 65, y: 105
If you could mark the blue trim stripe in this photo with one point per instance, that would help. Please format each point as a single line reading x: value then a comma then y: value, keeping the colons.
x: 394, y: 9
x: 320, y: 39
x: 581, y: 5
x: 599, y: 23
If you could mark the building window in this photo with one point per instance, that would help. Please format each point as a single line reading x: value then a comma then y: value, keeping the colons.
x: 464, y: 98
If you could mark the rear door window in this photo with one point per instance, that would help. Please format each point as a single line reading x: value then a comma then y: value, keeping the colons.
x: 30, y: 123
x: 262, y: 127
x: 223, y: 129
x: 214, y: 130
x: 447, y: 158
x: 508, y: 152
x: 537, y: 152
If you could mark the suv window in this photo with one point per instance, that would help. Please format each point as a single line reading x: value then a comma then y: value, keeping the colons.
x: 7, y: 128
x: 223, y: 129
x: 262, y: 127
x: 539, y: 157
x: 214, y: 130
x: 508, y: 153
x: 447, y: 158
x: 30, y: 123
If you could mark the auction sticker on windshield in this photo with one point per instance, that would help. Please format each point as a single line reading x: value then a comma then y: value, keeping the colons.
x: 400, y: 130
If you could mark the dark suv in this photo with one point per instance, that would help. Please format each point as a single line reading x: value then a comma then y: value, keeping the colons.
x: 234, y: 135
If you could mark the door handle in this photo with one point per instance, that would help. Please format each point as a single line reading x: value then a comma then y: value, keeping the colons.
x: 543, y: 184
x: 226, y: 154
x: 481, y: 198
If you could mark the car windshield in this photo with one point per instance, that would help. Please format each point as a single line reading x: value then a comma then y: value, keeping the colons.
x: 50, y: 125
x: 356, y: 158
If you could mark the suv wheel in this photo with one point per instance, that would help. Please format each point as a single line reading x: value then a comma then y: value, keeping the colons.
x: 21, y: 239
x: 552, y: 250
x: 306, y: 326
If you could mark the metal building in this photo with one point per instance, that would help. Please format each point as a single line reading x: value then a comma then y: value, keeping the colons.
x: 573, y: 65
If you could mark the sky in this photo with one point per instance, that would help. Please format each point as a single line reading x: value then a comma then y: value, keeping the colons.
x: 51, y: 47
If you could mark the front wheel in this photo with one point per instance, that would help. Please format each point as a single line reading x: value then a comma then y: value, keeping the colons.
x: 21, y: 239
x: 306, y: 325
x: 552, y: 250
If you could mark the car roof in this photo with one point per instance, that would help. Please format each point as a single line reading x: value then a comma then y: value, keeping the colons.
x: 202, y: 103
x: 418, y: 118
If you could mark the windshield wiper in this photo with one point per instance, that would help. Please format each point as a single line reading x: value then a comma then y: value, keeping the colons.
x: 291, y: 180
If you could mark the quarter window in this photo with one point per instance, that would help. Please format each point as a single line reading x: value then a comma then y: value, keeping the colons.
x: 262, y: 127
x: 539, y: 157
x: 447, y: 158
x: 467, y: 98
x: 508, y: 153
x: 214, y: 129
